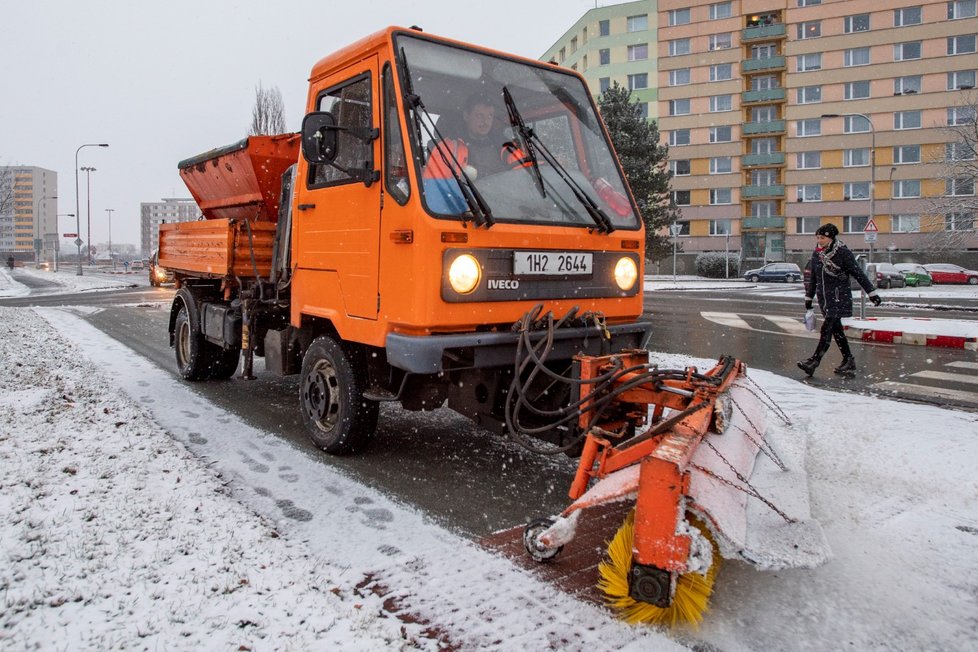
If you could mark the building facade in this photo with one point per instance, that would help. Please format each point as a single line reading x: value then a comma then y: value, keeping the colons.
x: 28, y: 213
x: 152, y: 214
x: 782, y: 115
x: 614, y: 44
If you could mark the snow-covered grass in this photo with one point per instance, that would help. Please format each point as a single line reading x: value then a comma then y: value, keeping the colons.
x: 65, y: 280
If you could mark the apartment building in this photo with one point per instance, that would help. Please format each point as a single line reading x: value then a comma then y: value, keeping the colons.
x: 614, y: 44
x: 782, y: 115
x: 28, y: 213
x: 167, y: 210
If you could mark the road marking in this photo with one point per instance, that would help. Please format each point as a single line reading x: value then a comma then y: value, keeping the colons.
x: 929, y: 392
x: 726, y: 319
x: 943, y: 375
x: 790, y: 324
x: 963, y: 365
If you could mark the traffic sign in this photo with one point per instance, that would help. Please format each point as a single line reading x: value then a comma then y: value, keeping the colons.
x: 871, y: 226
x: 69, y: 235
x: 79, y: 242
x: 870, y: 236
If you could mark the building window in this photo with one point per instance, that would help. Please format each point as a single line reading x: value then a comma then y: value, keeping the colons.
x: 604, y: 27
x: 959, y: 221
x: 853, y: 158
x: 721, y: 72
x: 858, y: 90
x: 809, y: 94
x: 643, y: 110
x: 810, y: 192
x: 855, y: 124
x: 855, y: 191
x: 720, y: 196
x: 906, y: 16
x: 680, y: 168
x: 905, y: 224
x: 856, y: 57
x: 604, y: 57
x: 679, y: 47
x: 719, y: 227
x: 960, y: 80
x: 904, y: 154
x: 677, y: 17
x: 573, y: 45
x: 854, y: 223
x: 638, y: 81
x: 960, y: 186
x: 638, y: 52
x: 906, y: 85
x: 723, y: 41
x: 906, y: 188
x: 964, y: 44
x: 763, y: 145
x: 604, y: 83
x: 809, y: 3
x: 562, y: 55
x: 721, y: 165
x: 721, y: 103
x: 809, y: 160
x: 960, y: 151
x: 679, y: 137
x: 763, y: 114
x: 809, y: 62
x: 679, y: 107
x: 961, y: 9
x: 679, y: 77
x: 906, y: 120
x: 721, y: 134
x: 907, y: 51
x: 809, y: 127
x: 807, y: 225
x: 857, y: 23
x: 764, y: 82
x: 763, y: 208
x: 960, y: 115
x: 764, y: 51
x: 809, y: 29
x: 680, y: 197
x: 721, y: 10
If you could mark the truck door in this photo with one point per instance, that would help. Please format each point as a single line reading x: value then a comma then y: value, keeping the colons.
x: 339, y: 209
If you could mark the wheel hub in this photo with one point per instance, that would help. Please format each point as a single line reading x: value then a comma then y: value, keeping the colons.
x: 319, y: 396
x: 650, y: 584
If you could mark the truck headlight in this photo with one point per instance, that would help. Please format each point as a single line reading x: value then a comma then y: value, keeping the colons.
x: 464, y: 273
x: 626, y: 273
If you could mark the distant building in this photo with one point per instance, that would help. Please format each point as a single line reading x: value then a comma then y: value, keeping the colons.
x: 614, y: 44
x: 28, y: 212
x: 152, y: 214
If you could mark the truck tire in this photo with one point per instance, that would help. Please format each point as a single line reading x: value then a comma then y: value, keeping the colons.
x: 224, y: 362
x: 193, y: 361
x: 336, y: 415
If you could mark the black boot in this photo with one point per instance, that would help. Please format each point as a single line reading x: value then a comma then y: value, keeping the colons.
x: 809, y: 365
x: 847, y: 367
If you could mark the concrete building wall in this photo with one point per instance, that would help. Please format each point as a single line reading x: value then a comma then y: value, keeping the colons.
x: 30, y: 214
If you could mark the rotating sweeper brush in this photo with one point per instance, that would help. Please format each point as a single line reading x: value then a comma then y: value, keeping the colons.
x: 679, y: 447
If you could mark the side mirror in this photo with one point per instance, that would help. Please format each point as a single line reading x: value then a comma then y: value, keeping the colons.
x: 319, y: 142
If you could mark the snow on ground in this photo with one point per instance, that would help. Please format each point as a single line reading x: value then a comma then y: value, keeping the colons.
x: 66, y: 281
x: 134, y: 514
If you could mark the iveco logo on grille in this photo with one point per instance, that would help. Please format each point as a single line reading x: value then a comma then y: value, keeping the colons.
x: 503, y: 284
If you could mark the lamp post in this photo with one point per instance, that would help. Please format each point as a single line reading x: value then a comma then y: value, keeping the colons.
x: 872, y: 166
x: 675, y: 229
x: 57, y: 246
x: 111, y: 257
x: 38, y: 234
x: 78, y: 241
x: 88, y: 190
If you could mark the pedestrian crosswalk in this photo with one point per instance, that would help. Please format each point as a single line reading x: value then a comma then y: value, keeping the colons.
x: 954, y: 385
x: 757, y: 322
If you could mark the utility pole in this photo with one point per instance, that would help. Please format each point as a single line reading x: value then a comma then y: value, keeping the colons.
x: 111, y: 257
x: 88, y: 236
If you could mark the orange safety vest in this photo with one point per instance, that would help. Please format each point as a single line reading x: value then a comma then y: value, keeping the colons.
x: 455, y: 149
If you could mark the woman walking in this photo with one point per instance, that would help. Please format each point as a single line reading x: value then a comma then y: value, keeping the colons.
x: 832, y: 265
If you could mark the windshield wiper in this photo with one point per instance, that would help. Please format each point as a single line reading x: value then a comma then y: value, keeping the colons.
x: 525, y: 136
x: 478, y: 207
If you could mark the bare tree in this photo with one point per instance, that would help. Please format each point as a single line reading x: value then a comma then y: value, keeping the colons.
x: 6, y: 190
x: 268, y: 115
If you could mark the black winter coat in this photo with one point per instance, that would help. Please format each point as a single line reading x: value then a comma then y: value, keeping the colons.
x: 830, y: 281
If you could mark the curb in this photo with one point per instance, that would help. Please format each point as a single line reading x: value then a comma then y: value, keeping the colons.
x: 918, y: 339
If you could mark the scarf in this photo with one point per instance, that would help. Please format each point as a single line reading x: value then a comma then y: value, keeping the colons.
x: 827, y: 254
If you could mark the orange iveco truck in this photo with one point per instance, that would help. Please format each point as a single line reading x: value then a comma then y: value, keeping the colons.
x: 331, y: 253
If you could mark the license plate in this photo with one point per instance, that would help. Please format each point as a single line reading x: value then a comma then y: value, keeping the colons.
x: 551, y: 263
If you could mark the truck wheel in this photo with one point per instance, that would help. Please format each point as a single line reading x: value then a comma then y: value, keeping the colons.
x: 224, y: 363
x: 193, y: 363
x: 337, y: 416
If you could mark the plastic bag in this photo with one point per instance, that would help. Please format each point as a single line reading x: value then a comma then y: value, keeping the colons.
x: 809, y: 320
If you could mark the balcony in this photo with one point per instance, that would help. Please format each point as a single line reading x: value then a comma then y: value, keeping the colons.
x: 770, y: 63
x: 766, y: 95
x: 760, y: 160
x: 762, y: 223
x: 770, y: 127
x: 762, y: 191
x: 764, y: 32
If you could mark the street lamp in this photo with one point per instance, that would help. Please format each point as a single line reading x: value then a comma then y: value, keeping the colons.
x: 872, y: 166
x: 88, y: 232
x: 38, y: 234
x: 675, y: 229
x: 78, y: 241
x: 111, y: 257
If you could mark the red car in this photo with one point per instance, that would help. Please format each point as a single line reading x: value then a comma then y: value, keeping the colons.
x: 946, y: 273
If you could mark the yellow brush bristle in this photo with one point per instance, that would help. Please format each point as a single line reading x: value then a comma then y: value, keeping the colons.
x: 693, y: 590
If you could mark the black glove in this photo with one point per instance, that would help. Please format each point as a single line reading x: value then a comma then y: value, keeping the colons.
x: 808, y: 304
x: 876, y: 300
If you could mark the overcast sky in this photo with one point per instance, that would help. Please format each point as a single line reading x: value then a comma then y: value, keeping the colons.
x: 163, y: 81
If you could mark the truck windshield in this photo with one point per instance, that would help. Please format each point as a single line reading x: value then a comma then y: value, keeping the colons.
x: 461, y: 114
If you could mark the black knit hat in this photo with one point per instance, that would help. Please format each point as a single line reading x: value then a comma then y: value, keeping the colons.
x: 828, y: 230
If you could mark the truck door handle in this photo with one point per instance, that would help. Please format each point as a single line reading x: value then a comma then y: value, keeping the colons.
x: 305, y: 207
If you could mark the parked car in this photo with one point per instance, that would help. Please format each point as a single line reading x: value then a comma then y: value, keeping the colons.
x: 947, y: 273
x: 915, y: 275
x: 787, y: 272
x: 136, y: 266
x: 158, y: 275
x: 888, y: 276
